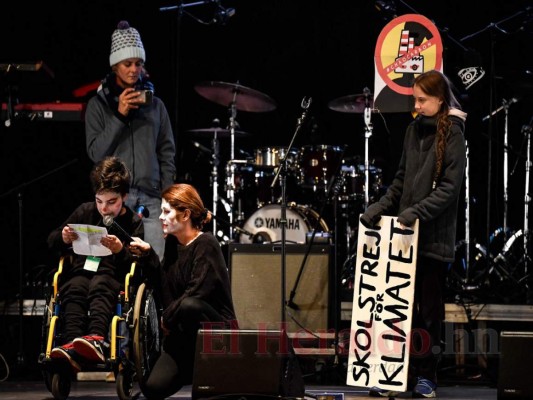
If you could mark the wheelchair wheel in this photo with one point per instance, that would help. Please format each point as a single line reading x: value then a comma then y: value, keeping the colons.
x: 60, y: 386
x: 124, y: 381
x: 146, y: 336
x: 47, y: 377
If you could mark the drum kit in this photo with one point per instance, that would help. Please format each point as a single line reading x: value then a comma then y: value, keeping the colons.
x: 253, y: 202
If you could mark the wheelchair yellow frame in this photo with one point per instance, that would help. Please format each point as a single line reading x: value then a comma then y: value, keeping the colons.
x: 115, y: 321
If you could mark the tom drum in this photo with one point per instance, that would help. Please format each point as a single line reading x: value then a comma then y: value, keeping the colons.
x: 272, y: 156
x: 318, y: 165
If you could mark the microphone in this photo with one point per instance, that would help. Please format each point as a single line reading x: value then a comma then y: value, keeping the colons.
x: 366, y: 92
x: 142, y: 211
x: 225, y: 203
x: 505, y: 104
x: 109, y: 221
x: 529, y: 127
x: 201, y: 147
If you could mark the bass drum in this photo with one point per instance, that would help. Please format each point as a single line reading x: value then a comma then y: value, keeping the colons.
x: 265, y: 224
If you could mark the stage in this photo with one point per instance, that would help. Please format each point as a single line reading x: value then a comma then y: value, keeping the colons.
x: 36, y: 390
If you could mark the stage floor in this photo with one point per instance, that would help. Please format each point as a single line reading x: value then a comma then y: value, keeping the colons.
x: 83, y: 390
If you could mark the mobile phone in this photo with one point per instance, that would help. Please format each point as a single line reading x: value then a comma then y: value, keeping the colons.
x: 145, y: 97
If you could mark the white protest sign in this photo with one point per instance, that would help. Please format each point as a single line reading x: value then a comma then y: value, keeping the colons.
x: 382, y: 305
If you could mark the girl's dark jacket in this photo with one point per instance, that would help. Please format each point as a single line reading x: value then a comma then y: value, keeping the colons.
x: 411, y: 194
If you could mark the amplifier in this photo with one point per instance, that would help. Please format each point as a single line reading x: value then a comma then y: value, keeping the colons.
x: 514, y: 373
x: 245, y: 364
x: 255, y: 271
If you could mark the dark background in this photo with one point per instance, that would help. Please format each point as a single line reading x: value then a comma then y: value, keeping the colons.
x: 284, y: 49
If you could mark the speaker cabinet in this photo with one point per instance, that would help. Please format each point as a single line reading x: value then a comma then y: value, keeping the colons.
x: 248, y: 364
x: 255, y: 271
x: 514, y: 373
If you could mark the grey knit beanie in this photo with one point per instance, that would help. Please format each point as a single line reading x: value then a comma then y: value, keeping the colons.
x: 126, y: 43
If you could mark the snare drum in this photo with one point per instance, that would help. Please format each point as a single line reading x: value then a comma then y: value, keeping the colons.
x: 265, y: 223
x: 318, y: 164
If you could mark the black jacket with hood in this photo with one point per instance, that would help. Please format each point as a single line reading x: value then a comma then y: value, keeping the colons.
x: 411, y: 194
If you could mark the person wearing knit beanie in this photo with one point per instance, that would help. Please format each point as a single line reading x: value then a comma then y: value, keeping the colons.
x: 126, y: 43
x: 126, y: 119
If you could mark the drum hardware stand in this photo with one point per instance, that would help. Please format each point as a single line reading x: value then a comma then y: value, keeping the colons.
x: 467, y: 215
x: 230, y: 187
x: 500, y: 262
x: 282, y: 174
x: 21, y: 362
x: 214, y: 178
x: 368, y: 134
x: 505, y: 106
x: 466, y: 282
x: 230, y: 179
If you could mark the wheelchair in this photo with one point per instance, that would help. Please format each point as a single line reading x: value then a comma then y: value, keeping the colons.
x: 134, y: 337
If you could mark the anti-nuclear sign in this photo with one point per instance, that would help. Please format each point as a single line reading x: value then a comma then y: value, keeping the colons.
x: 406, y: 47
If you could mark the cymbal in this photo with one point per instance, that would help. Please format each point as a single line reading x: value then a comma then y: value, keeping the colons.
x: 220, y: 132
x: 225, y: 94
x: 354, y: 103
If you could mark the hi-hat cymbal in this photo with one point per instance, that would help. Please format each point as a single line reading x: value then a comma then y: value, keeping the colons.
x: 354, y: 103
x: 245, y: 99
x: 220, y: 133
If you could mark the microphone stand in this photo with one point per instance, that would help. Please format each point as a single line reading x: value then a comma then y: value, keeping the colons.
x: 467, y: 216
x: 528, y: 280
x: 335, y: 183
x: 282, y: 173
x: 20, y: 191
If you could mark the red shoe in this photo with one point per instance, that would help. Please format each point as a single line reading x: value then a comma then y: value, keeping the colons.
x: 92, y: 348
x: 68, y: 353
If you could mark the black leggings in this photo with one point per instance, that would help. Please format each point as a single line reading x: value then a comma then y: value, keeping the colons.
x: 428, y: 314
x: 174, y: 367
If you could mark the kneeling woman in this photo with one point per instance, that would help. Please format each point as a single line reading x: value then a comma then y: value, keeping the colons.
x: 193, y: 283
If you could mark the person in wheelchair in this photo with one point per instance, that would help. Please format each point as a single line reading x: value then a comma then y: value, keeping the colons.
x: 90, y: 285
x: 193, y: 282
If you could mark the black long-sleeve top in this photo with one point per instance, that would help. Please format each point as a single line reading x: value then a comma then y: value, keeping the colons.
x: 196, y: 270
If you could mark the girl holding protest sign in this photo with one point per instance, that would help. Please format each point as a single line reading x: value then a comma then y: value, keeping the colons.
x: 426, y: 187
